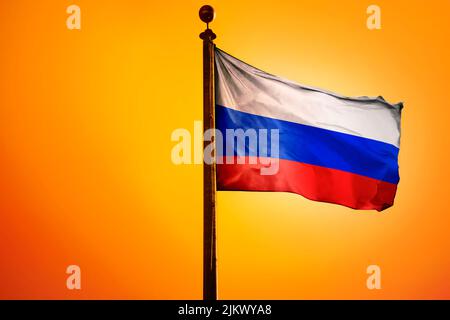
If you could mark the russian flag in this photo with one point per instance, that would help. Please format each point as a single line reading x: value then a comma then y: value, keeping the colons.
x: 330, y: 148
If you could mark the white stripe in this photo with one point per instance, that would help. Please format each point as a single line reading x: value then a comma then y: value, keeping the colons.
x: 242, y: 87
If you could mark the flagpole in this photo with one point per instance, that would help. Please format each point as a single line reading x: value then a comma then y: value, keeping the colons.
x: 206, y: 14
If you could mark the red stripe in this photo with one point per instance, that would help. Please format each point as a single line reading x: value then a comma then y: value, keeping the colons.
x: 313, y: 182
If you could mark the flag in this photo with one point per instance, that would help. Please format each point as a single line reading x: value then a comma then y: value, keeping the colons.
x: 321, y: 145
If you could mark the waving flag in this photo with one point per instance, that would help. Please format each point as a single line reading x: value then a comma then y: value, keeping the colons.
x: 328, y: 148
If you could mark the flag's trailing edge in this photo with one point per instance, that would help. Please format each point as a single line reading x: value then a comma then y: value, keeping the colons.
x: 331, y: 148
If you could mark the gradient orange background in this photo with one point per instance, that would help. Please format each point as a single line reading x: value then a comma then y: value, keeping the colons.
x: 86, y: 176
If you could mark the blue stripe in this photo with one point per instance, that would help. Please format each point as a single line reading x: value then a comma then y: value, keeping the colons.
x: 316, y: 146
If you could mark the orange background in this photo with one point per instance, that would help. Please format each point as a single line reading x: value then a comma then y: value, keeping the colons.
x: 86, y: 176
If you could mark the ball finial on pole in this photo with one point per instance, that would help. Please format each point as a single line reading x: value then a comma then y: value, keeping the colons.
x: 207, y: 14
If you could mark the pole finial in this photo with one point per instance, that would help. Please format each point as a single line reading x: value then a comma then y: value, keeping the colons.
x: 207, y: 15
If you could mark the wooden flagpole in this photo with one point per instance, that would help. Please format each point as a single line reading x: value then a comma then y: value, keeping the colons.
x: 206, y: 14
